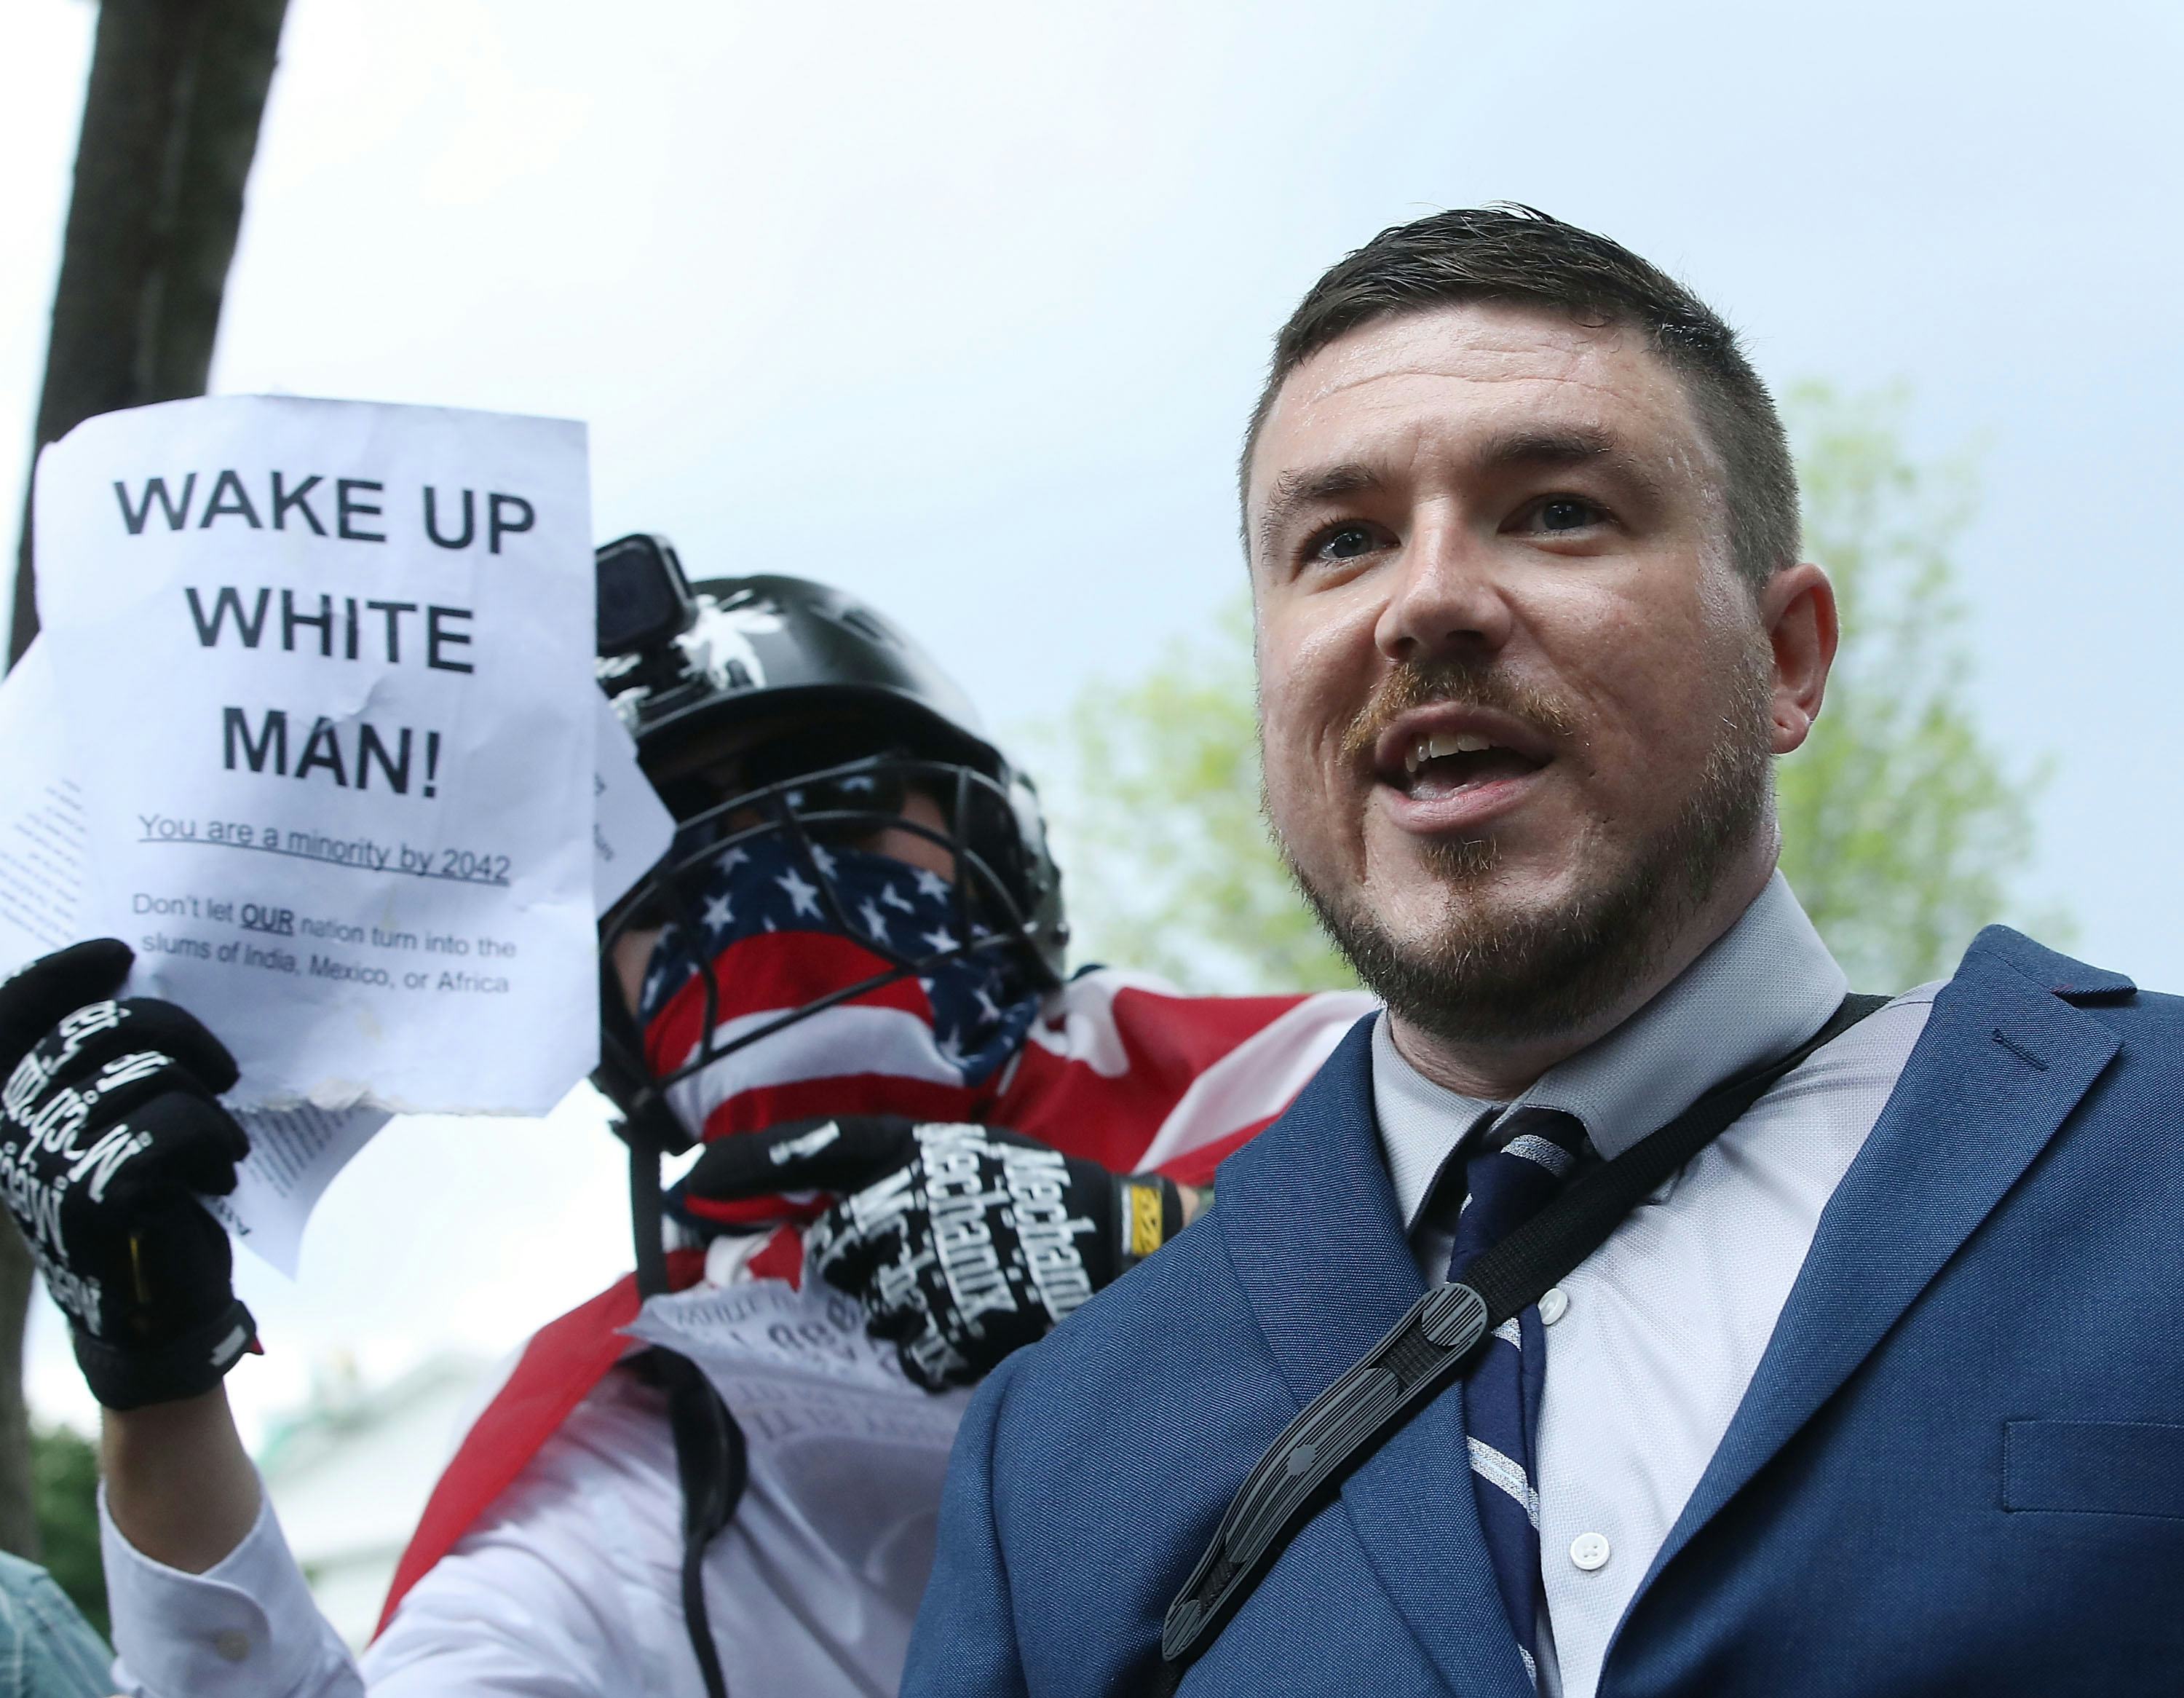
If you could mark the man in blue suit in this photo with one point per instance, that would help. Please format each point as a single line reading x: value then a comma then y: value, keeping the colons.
x: 1882, y: 1392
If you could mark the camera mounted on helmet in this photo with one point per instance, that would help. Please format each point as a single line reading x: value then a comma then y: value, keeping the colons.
x: 776, y: 715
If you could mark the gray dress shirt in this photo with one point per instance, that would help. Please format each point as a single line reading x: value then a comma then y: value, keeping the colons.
x: 1653, y: 1341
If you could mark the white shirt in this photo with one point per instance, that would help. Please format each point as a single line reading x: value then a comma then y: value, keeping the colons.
x: 1666, y: 1321
x: 569, y: 1587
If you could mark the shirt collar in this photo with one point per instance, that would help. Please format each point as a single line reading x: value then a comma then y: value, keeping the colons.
x: 1759, y: 989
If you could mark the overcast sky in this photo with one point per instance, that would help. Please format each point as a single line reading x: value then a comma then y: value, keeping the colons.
x: 961, y: 306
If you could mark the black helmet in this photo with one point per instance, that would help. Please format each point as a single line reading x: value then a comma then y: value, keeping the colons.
x: 828, y: 712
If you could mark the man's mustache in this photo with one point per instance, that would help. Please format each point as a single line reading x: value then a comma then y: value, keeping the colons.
x: 1410, y: 684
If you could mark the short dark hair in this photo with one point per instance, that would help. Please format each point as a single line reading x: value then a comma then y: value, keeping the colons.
x: 1517, y: 254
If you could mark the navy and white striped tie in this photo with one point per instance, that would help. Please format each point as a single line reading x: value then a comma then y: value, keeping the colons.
x: 1507, y: 1185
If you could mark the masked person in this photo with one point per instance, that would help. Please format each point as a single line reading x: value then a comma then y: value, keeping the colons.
x: 923, y: 1146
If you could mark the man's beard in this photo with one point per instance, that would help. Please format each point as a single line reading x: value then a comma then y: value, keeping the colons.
x: 1545, y: 971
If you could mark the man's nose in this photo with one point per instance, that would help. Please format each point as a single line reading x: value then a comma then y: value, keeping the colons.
x: 1445, y: 602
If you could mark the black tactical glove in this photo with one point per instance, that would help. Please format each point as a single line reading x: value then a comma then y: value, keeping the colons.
x: 108, y: 1122
x: 961, y: 1242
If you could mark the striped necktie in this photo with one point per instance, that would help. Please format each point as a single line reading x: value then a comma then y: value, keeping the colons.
x: 1530, y: 1155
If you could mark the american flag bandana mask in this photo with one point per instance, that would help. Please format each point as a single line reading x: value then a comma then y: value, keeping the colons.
x: 929, y: 1044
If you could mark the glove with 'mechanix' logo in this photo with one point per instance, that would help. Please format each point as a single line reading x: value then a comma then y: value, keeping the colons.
x: 962, y: 1243
x: 109, y: 1126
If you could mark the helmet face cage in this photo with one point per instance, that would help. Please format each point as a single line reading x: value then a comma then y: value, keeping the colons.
x: 826, y: 718
x: 1001, y: 907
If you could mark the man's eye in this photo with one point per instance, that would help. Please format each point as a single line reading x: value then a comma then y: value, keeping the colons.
x: 1345, y: 542
x: 1567, y: 513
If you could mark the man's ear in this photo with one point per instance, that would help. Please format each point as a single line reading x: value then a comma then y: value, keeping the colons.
x: 1797, y: 611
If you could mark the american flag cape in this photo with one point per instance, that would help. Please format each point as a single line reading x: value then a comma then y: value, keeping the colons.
x: 1112, y: 1066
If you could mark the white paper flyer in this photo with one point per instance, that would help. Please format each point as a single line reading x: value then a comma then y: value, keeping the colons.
x: 324, y: 670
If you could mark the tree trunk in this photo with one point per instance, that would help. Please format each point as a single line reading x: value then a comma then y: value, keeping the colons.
x: 169, y: 129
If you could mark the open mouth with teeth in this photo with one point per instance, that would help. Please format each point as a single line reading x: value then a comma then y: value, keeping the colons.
x: 1446, y: 763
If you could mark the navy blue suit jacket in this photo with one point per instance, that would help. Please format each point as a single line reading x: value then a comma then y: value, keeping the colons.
x: 1959, y: 1468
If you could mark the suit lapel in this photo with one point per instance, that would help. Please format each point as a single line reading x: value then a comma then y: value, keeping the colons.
x: 1311, y: 1225
x: 2001, y: 1064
